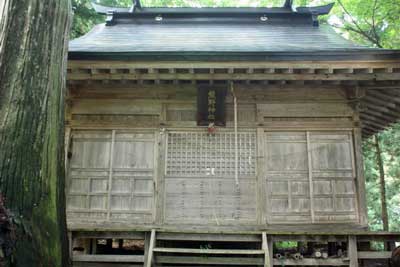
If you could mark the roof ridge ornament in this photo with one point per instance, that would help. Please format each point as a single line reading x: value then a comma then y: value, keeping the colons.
x: 288, y: 4
x: 287, y: 11
x: 135, y: 5
x: 315, y: 10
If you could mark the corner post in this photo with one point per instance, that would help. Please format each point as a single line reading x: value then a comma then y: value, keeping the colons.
x: 352, y: 251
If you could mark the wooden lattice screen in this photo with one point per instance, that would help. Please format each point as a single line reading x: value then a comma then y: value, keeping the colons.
x: 199, y: 177
x: 201, y: 154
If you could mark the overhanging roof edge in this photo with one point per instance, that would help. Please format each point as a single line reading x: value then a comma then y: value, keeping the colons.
x: 361, y: 54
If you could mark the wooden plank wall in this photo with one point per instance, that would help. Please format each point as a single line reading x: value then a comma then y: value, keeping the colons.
x: 138, y: 156
x: 310, y: 177
x: 111, y: 175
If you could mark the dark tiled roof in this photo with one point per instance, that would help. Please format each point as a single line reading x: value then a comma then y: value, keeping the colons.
x: 222, y: 37
x: 263, y: 33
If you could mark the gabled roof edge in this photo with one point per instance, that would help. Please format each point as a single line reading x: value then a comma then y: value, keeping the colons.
x: 362, y: 55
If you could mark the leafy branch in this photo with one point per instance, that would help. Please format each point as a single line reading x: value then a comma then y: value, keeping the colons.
x: 356, y: 28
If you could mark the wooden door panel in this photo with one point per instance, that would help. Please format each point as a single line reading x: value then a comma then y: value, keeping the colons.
x: 111, y: 176
x: 287, y: 181
x: 333, y: 176
x: 310, y: 177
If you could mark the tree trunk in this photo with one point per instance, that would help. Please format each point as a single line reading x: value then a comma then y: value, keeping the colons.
x: 33, y: 49
x: 385, y: 217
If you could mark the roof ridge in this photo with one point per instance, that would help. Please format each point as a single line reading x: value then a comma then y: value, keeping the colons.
x: 115, y: 13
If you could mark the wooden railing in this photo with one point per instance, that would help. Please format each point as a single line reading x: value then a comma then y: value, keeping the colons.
x: 233, y: 249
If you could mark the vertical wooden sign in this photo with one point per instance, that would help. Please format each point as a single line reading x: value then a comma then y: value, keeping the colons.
x: 211, y: 106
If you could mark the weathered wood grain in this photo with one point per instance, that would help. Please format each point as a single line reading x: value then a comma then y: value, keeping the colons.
x: 165, y: 170
x: 111, y: 175
x: 108, y: 258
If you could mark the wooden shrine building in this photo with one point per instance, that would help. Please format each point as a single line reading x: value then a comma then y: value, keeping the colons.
x: 206, y: 136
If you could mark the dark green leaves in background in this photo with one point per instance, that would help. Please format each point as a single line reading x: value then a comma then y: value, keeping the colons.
x: 390, y: 146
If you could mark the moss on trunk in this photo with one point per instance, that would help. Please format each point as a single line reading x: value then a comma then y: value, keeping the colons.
x: 33, y: 49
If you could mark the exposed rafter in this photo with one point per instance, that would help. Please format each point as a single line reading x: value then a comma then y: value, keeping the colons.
x: 379, y: 106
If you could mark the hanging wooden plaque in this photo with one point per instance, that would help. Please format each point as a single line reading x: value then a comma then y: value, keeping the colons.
x: 211, y: 106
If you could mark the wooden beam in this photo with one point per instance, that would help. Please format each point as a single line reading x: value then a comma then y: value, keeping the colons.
x: 149, y: 259
x: 311, y: 262
x: 237, y: 76
x: 108, y: 235
x: 372, y: 64
x: 369, y: 130
x: 210, y: 251
x: 371, y: 127
x: 201, y: 260
x: 372, y: 121
x: 366, y: 133
x: 108, y: 258
x: 378, y: 100
x: 381, y: 87
x: 368, y: 117
x: 394, y: 91
x: 384, y: 110
x: 386, y: 117
x: 386, y: 96
x: 209, y: 237
x: 379, y: 237
x: 374, y: 254
x: 310, y: 238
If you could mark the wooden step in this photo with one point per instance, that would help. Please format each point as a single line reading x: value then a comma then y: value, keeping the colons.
x: 210, y: 251
x: 201, y: 260
x: 208, y: 237
x: 311, y: 262
x: 108, y: 258
x: 374, y: 254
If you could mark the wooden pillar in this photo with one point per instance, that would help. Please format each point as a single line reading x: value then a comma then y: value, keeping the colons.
x: 352, y: 251
x: 268, y: 261
x: 147, y: 236
x: 360, y: 182
x: 70, y: 244
x: 262, y: 192
x: 149, y: 260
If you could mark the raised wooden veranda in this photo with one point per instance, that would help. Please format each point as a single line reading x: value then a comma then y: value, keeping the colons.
x: 166, y: 247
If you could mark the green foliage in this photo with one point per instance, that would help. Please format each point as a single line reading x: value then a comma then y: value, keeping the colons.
x: 84, y: 18
x: 370, y: 22
x: 390, y: 145
x: 286, y: 244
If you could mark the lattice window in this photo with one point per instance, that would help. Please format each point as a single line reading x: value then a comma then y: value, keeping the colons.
x: 201, y: 154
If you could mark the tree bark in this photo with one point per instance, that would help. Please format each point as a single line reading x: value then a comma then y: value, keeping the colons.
x: 385, y: 217
x: 33, y: 49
